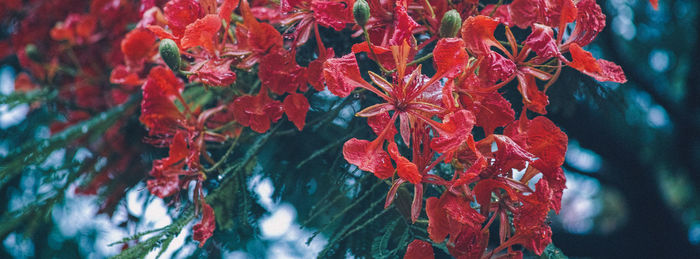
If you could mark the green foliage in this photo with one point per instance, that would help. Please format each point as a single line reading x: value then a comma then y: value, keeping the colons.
x: 161, y: 239
x: 17, y: 98
x: 552, y: 252
x: 35, y: 152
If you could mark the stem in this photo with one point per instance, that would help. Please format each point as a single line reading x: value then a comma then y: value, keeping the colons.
x: 224, y: 157
x: 371, y: 50
x: 421, y: 59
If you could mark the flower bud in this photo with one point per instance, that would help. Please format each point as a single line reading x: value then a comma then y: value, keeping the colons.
x: 361, y: 12
x: 450, y: 24
x: 170, y: 53
x: 32, y: 52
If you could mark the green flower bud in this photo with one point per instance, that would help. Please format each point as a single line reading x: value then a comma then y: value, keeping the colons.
x: 450, y: 24
x: 361, y: 12
x: 33, y: 52
x: 170, y: 53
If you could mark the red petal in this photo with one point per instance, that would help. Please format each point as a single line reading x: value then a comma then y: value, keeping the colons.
x: 546, y: 141
x: 181, y: 13
x: 296, y: 106
x: 450, y: 57
x: 202, y: 33
x: 162, y: 33
x: 405, y: 169
x: 281, y: 73
x: 379, y: 122
x: 257, y: 111
x: 163, y: 186
x: 215, y: 73
x: 509, y: 154
x: 314, y: 73
x: 499, y: 68
x: 178, y: 150
x: 403, y: 26
x: 655, y: 4
x: 384, y: 55
x: 368, y: 157
x: 477, y: 32
x: 494, y: 111
x: 502, y: 14
x: 454, y: 131
x: 226, y: 9
x: 601, y: 70
x: 583, y: 60
x: 342, y: 75
x: 438, y: 227
x: 121, y: 76
x: 137, y: 45
x: 158, y: 112
x: 533, y: 99
x: 419, y: 249
x: 262, y: 37
x: 205, y: 228
x: 524, y: 12
x: 458, y: 209
x: 333, y: 14
x: 590, y: 20
x: 542, y: 42
x: 568, y: 12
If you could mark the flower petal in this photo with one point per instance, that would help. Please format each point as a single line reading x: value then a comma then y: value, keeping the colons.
x: 296, y: 106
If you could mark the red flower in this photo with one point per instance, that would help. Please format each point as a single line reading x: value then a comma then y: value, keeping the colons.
x: 256, y: 38
x: 477, y: 33
x: 76, y: 29
x: 542, y: 42
x: 226, y: 9
x: 181, y: 13
x: 450, y: 57
x: 590, y: 21
x: 335, y: 14
x: 533, y: 99
x: 343, y: 75
x: 167, y: 171
x: 137, y: 46
x: 454, y: 131
x: 419, y: 249
x: 257, y: 111
x: 296, y: 106
x: 601, y: 70
x: 383, y: 54
x: 451, y: 215
x: 499, y: 67
x: 202, y: 33
x: 368, y: 156
x: 281, y: 73
x: 158, y: 112
x: 405, y: 169
x: 314, y: 73
x: 541, y: 138
x: 205, y: 228
x: 215, y: 72
x: 403, y: 25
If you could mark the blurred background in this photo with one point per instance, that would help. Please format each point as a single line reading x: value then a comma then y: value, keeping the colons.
x: 633, y: 165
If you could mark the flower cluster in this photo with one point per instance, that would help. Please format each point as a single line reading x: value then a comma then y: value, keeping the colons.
x: 504, y: 167
x: 437, y: 115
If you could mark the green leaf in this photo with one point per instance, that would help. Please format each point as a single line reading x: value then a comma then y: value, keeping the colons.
x: 35, y: 152
x: 552, y: 252
x: 380, y: 243
x: 17, y: 98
